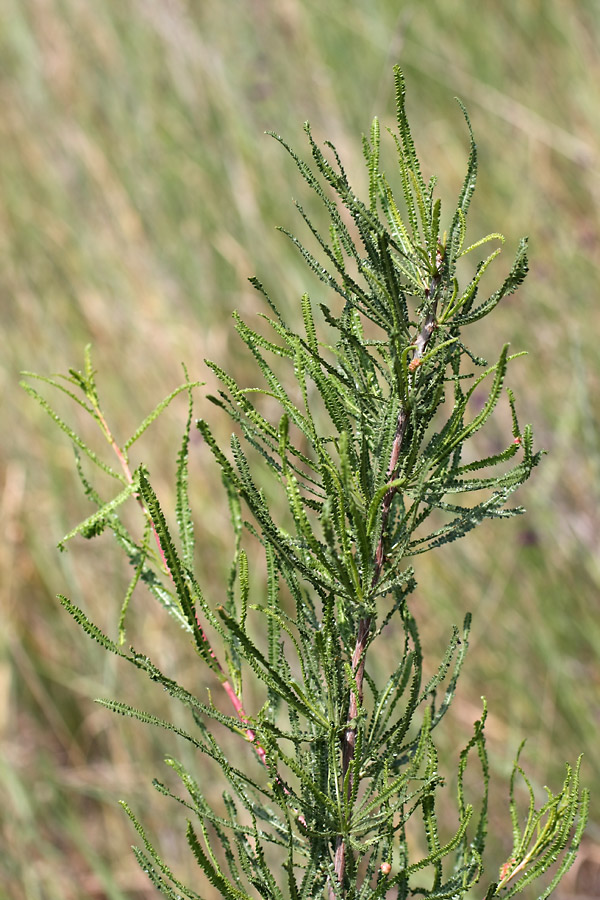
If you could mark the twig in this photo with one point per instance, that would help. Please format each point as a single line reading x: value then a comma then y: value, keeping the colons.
x: 227, y: 687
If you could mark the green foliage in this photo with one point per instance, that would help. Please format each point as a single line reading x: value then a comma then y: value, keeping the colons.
x: 371, y: 453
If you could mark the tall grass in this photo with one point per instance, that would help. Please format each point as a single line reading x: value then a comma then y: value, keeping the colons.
x: 137, y: 193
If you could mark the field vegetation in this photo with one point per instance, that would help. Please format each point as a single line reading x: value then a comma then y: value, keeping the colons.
x: 138, y: 193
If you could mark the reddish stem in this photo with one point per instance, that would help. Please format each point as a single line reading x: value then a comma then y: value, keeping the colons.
x: 227, y: 687
x: 360, y: 649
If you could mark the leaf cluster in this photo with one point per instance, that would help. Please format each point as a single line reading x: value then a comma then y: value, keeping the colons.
x: 369, y: 451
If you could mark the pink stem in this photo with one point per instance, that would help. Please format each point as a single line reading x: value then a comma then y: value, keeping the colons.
x: 235, y: 700
x: 358, y: 657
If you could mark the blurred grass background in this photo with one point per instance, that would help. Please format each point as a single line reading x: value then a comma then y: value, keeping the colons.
x: 137, y: 194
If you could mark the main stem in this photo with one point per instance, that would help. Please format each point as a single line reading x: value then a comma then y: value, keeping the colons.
x: 364, y: 625
x: 360, y: 648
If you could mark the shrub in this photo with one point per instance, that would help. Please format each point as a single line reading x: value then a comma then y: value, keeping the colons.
x: 370, y: 453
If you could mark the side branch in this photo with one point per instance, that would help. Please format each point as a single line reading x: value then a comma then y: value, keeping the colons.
x: 236, y: 701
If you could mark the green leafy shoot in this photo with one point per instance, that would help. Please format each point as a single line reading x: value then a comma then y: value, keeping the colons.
x: 362, y: 445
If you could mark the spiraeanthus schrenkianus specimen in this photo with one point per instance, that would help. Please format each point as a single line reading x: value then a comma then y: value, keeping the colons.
x: 367, y: 454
